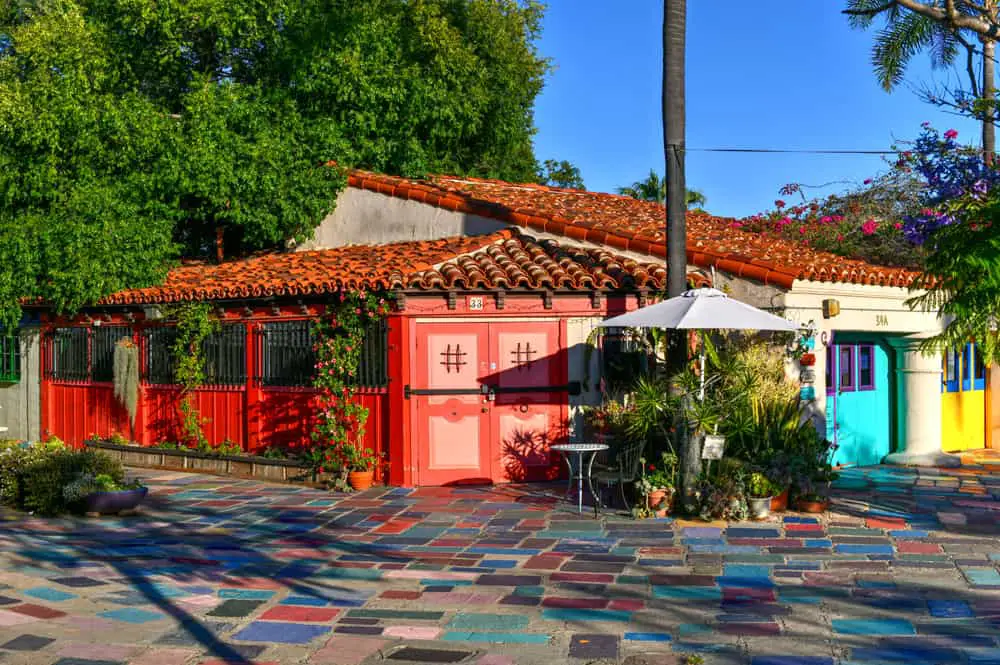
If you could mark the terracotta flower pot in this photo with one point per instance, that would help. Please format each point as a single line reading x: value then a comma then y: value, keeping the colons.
x: 779, y: 504
x: 656, y: 498
x: 360, y: 480
x: 812, y: 505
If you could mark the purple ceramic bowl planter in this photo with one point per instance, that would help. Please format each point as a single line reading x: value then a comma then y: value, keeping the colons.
x: 115, y: 502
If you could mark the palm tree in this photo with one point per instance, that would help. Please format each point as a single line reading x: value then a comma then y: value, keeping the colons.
x: 674, y: 116
x: 911, y: 27
x: 654, y: 188
x: 695, y: 199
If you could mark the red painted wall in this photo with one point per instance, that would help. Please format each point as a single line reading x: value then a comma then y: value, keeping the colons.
x: 251, y: 415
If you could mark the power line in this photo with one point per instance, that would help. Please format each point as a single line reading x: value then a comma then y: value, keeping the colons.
x: 797, y: 151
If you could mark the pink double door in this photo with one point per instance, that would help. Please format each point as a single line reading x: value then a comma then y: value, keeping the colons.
x: 489, y: 399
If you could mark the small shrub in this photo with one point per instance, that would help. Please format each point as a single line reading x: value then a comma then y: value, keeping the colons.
x: 721, y: 491
x: 119, y: 440
x: 13, y: 460
x: 86, y: 484
x: 274, y: 452
x: 229, y: 449
x: 47, y: 471
x: 167, y: 445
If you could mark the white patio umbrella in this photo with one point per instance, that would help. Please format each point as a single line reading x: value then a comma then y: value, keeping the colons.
x: 701, y: 309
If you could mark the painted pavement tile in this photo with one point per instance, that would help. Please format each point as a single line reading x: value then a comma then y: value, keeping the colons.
x: 601, y: 577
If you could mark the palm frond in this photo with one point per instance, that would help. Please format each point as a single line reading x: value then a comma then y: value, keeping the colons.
x: 862, y: 13
x: 897, y: 43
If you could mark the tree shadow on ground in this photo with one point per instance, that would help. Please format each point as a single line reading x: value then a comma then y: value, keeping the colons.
x: 272, y: 535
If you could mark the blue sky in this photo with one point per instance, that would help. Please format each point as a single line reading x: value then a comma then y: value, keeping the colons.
x: 766, y: 74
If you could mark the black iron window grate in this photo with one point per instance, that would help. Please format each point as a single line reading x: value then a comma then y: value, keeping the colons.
x: 225, y: 355
x: 623, y: 357
x: 102, y: 350
x: 287, y: 357
x: 10, y: 358
x: 288, y: 360
x: 159, y: 352
x: 68, y: 354
x: 373, y: 368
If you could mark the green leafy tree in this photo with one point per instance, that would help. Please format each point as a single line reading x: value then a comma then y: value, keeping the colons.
x: 560, y: 174
x: 132, y: 133
x: 946, y: 30
x: 963, y: 278
x: 654, y: 188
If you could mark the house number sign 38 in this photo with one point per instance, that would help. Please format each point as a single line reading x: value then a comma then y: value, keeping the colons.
x: 475, y: 303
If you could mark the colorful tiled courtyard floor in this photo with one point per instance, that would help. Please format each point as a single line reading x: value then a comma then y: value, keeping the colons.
x: 903, y: 570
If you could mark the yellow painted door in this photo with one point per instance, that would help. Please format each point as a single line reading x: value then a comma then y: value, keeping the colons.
x: 963, y: 400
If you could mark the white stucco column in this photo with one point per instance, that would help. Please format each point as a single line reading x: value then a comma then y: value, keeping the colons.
x: 918, y: 393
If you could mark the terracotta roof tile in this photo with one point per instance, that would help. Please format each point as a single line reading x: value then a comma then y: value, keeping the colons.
x: 624, y: 223
x: 506, y: 260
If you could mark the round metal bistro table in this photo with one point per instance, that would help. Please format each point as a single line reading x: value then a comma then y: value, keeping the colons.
x: 581, y: 473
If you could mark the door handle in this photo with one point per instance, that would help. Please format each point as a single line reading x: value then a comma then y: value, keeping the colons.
x: 486, y: 409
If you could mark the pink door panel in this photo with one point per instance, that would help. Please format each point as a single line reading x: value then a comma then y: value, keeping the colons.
x: 453, y: 444
x: 527, y: 355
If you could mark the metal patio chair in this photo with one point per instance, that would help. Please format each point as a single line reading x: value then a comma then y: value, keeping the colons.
x: 626, y: 467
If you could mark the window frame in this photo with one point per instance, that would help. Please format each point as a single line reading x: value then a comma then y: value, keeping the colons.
x: 266, y: 363
x: 53, y: 367
x: 99, y: 331
x: 978, y: 382
x: 870, y: 385
x: 230, y: 368
x: 10, y: 357
x: 150, y: 336
x: 851, y: 351
x: 951, y: 385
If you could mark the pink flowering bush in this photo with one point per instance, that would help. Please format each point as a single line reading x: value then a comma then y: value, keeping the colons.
x: 888, y: 219
x: 860, y: 224
x: 340, y: 420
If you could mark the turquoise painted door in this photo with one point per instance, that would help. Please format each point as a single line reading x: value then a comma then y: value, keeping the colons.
x: 857, y: 402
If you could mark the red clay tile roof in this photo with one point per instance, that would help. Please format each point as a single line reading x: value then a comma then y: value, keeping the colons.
x: 624, y: 223
x: 503, y: 260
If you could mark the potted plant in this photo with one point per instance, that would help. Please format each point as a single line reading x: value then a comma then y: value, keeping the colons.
x: 813, y: 475
x: 657, y: 485
x: 721, y: 492
x: 102, y: 494
x: 779, y: 473
x: 762, y: 491
x: 358, y: 463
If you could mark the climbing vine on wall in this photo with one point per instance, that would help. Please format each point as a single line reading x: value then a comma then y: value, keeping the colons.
x: 194, y: 323
x: 339, y: 340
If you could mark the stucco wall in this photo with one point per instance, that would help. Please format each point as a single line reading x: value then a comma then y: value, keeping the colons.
x: 879, y: 310
x: 363, y: 217
x: 577, y: 332
x: 19, y: 402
